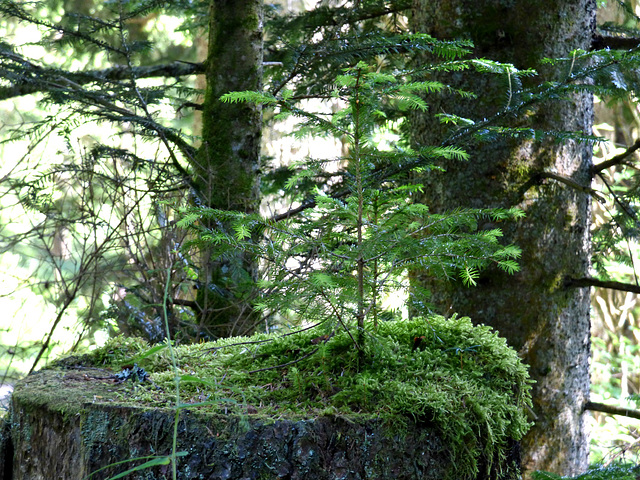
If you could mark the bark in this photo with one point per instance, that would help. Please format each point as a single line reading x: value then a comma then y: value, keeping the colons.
x: 227, y: 165
x: 544, y: 320
x: 68, y: 424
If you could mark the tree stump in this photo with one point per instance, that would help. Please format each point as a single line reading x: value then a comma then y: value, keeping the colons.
x: 435, y: 399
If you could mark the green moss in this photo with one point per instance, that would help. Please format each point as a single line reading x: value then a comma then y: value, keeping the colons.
x: 617, y: 472
x: 463, y: 380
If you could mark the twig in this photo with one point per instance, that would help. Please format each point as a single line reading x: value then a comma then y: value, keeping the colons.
x: 285, y: 364
x: 615, y: 160
x: 622, y: 451
x: 594, y: 282
x: 212, y: 349
x: 612, y: 409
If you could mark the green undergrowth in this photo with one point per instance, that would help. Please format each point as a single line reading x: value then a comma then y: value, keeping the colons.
x: 462, y: 380
x: 613, y: 472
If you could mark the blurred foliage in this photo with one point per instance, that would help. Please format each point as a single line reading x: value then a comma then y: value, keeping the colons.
x: 615, y: 368
x: 85, y: 183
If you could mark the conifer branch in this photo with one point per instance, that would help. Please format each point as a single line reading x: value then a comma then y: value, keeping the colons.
x: 292, y: 212
x: 612, y: 410
x: 618, y: 159
x: 600, y: 41
x: 15, y: 10
x: 624, y: 206
x: 360, y: 15
x: 346, y: 15
x: 36, y: 79
x: 594, y: 282
x: 570, y: 183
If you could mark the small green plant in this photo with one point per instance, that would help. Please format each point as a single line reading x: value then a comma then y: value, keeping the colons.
x: 333, y: 262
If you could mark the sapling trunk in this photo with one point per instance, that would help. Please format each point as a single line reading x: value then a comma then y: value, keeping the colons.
x: 375, y: 274
x: 360, y: 193
x: 311, y: 260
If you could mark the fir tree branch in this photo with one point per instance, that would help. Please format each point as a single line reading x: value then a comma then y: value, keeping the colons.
x: 35, y: 77
x: 618, y: 159
x: 324, y: 16
x: 163, y: 132
x: 594, y: 282
x: 600, y: 41
x: 15, y: 10
x: 570, y: 183
x: 184, y: 147
x: 292, y: 212
x: 360, y: 15
x: 624, y: 207
x: 612, y: 410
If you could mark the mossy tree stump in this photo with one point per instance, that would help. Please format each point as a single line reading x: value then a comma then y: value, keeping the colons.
x: 420, y: 409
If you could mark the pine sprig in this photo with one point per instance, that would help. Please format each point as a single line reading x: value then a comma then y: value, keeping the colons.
x: 335, y: 262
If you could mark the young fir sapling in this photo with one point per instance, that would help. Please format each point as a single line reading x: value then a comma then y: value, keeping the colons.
x: 332, y: 263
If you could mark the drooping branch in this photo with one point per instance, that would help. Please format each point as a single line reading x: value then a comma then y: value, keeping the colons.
x: 571, y: 183
x: 39, y: 79
x: 594, y: 282
x: 615, y: 160
x: 612, y: 410
x: 624, y: 206
x: 537, y: 178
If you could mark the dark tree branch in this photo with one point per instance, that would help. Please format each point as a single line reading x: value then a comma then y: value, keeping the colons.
x: 612, y: 410
x: 292, y: 212
x: 114, y: 74
x: 594, y: 282
x: 571, y: 183
x: 618, y: 159
x: 538, y: 177
x: 614, y: 42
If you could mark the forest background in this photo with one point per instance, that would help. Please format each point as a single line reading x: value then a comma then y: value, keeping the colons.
x: 93, y: 178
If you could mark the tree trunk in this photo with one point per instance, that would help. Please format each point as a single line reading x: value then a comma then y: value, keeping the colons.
x: 546, y: 322
x: 227, y: 166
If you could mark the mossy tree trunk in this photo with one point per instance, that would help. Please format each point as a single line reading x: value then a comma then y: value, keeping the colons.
x: 227, y: 166
x: 547, y: 323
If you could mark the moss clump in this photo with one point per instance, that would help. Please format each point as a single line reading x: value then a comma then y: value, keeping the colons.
x: 463, y: 380
x: 617, y: 472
